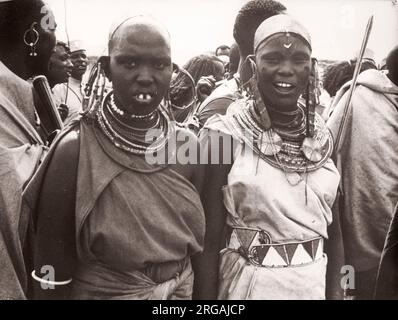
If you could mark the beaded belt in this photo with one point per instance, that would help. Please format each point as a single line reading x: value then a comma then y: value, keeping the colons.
x: 256, y: 246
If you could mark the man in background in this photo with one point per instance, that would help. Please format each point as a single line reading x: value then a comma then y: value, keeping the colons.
x: 60, y: 66
x: 369, y: 170
x: 71, y: 93
x: 222, y: 52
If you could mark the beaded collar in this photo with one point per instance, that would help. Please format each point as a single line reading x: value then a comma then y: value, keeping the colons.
x: 127, y: 139
x: 291, y: 152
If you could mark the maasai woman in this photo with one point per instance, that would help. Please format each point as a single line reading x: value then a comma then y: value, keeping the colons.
x: 126, y: 226
x: 278, y: 192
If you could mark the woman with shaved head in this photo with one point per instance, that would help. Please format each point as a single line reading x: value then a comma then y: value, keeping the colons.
x: 126, y: 225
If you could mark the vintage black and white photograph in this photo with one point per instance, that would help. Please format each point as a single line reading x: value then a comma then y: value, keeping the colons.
x: 199, y: 150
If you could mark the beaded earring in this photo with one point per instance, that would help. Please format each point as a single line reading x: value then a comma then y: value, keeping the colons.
x: 31, y: 38
x: 314, y: 145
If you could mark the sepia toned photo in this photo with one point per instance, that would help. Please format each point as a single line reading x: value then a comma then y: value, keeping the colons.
x: 199, y: 150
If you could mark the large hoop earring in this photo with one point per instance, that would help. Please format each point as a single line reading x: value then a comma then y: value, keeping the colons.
x: 177, y: 68
x: 34, y: 37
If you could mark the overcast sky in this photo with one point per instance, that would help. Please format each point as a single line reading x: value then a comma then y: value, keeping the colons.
x: 197, y: 26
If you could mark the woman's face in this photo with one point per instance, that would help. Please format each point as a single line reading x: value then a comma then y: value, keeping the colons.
x: 140, y: 68
x: 283, y: 69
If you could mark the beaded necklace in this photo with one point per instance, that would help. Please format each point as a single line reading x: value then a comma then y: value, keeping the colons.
x: 125, y: 137
x: 280, y: 148
x: 124, y: 114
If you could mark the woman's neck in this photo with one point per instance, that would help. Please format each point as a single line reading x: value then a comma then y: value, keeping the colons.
x: 283, y: 117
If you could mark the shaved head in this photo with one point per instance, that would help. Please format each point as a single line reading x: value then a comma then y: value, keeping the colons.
x: 126, y: 29
x: 140, y: 66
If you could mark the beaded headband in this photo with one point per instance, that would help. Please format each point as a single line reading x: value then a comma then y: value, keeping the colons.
x: 281, y: 23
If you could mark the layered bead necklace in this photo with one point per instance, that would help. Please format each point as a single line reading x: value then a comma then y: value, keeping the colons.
x: 116, y: 125
x: 283, y: 148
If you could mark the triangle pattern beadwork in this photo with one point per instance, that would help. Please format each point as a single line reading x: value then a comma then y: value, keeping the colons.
x: 281, y: 249
x: 309, y: 248
x: 246, y: 237
x: 318, y: 249
x: 262, y: 253
x: 301, y: 256
x: 273, y: 258
x: 291, y: 249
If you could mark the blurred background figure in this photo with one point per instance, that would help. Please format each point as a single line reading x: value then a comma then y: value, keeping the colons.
x: 222, y: 52
x: 336, y: 75
x: 233, y: 64
x: 368, y: 58
x: 71, y: 93
x: 59, y: 71
x: 368, y: 166
x: 383, y: 65
x: 60, y: 66
x: 205, y: 68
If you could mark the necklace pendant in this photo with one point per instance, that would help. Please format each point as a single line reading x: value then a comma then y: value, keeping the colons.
x: 293, y: 178
x: 269, y: 143
x: 314, y: 148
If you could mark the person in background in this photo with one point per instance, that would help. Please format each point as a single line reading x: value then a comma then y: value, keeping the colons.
x: 250, y: 16
x: 338, y: 74
x: 60, y: 66
x: 26, y: 44
x: 233, y: 64
x: 387, y: 276
x: 183, y: 87
x: 71, y: 93
x: 368, y: 57
x: 222, y: 52
x: 59, y: 71
x: 368, y: 165
x: 383, y: 65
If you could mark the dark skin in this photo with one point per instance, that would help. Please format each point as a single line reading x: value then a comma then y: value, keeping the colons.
x: 283, y: 70
x: 79, y: 61
x: 206, y: 263
x: 16, y: 57
x: 140, y: 63
x: 130, y: 67
x: 206, y: 84
x: 274, y: 63
x: 392, y: 65
x: 60, y: 66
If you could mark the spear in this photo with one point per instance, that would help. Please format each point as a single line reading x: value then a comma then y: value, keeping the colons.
x: 347, y: 106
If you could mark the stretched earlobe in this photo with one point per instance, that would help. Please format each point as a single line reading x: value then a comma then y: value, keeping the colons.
x: 176, y: 68
x: 250, y: 59
x: 105, y: 63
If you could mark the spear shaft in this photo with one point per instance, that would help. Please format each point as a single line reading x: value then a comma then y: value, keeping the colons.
x: 347, y: 106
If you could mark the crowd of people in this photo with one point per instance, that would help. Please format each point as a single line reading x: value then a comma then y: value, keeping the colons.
x: 225, y: 178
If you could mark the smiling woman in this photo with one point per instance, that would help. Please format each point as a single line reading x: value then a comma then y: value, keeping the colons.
x: 283, y: 63
x: 277, y: 195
